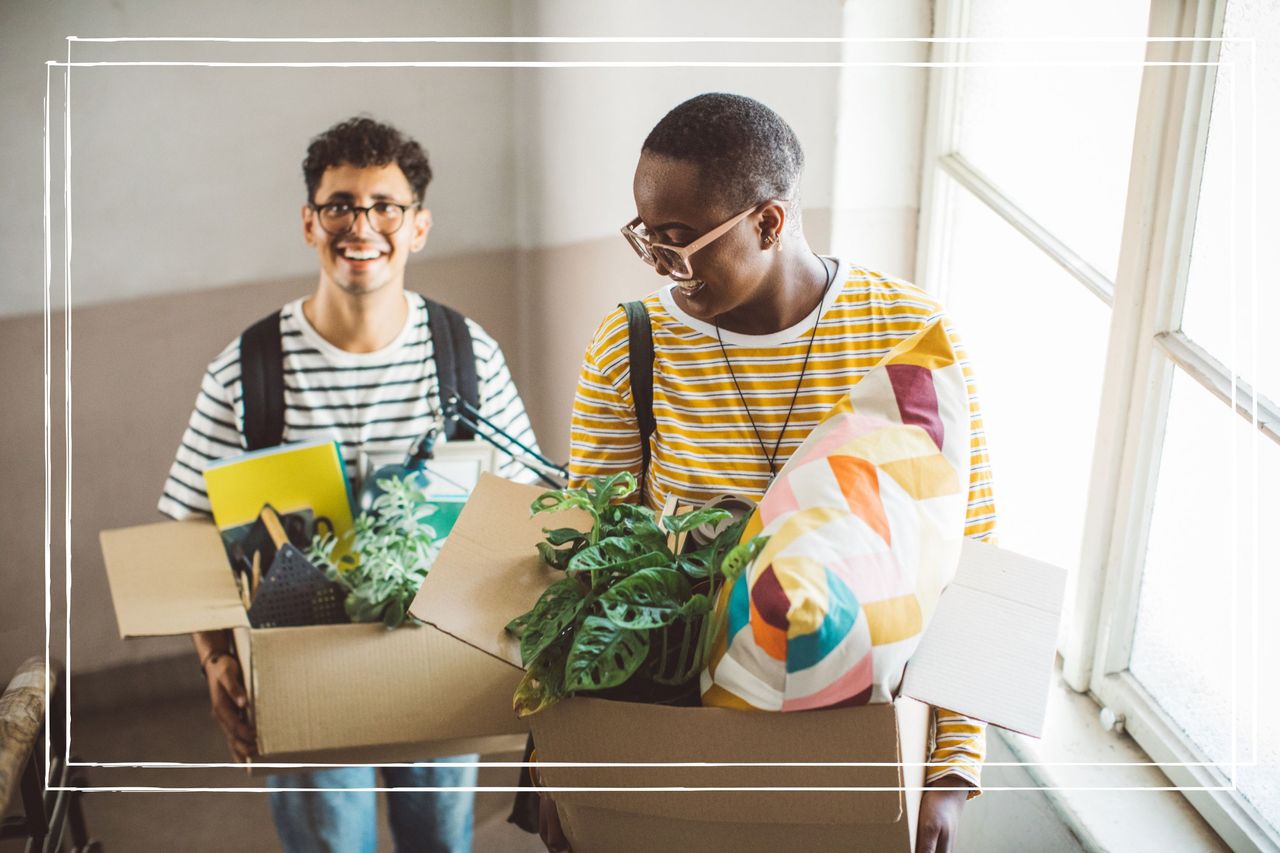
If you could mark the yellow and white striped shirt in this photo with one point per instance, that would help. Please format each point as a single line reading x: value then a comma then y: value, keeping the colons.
x: 704, y: 443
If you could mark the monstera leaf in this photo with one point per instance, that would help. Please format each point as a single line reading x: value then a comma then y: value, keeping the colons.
x: 638, y: 522
x: 740, y: 556
x: 689, y: 520
x: 650, y: 598
x: 543, y: 681
x: 603, y: 655
x: 617, y: 554
x: 556, y: 610
x: 565, y: 535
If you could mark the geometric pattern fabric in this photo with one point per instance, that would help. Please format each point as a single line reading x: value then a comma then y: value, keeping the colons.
x: 864, y: 523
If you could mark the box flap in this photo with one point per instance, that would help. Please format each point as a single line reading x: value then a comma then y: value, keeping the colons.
x: 595, y: 730
x: 171, y: 577
x: 329, y: 686
x: 489, y: 571
x: 988, y: 652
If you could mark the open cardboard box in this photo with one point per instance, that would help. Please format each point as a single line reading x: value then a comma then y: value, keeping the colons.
x: 323, y: 693
x: 988, y: 653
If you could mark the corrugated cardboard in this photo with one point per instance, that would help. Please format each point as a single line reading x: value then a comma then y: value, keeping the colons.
x: 1002, y: 609
x: 988, y: 653
x: 170, y: 578
x: 871, y: 812
x: 369, y: 693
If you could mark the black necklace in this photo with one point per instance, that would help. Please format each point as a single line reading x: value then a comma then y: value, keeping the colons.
x: 772, y: 458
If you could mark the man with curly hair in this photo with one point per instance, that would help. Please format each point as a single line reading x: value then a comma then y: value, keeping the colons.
x: 359, y: 366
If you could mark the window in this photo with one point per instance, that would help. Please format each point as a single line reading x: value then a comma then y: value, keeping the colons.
x: 1091, y: 215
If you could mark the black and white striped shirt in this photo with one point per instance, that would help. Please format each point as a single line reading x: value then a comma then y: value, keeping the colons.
x: 379, y: 401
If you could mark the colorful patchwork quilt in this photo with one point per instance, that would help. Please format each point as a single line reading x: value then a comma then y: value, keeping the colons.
x: 864, y: 524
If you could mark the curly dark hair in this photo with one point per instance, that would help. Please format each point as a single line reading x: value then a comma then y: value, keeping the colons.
x: 362, y: 142
x: 745, y: 152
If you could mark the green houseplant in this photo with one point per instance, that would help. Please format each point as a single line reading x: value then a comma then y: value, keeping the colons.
x: 629, y: 619
x: 383, y: 559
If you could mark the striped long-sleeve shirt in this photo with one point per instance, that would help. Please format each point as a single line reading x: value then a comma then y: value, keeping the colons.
x: 718, y: 419
x: 379, y: 401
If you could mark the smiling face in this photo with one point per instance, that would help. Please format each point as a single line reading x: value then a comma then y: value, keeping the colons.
x: 733, y: 275
x: 360, y: 261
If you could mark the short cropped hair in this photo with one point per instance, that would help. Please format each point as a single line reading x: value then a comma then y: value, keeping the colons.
x: 745, y: 152
x: 363, y: 142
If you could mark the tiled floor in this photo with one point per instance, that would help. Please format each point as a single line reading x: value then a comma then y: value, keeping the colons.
x: 213, y: 822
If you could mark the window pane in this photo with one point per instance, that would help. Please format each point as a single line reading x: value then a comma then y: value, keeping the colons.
x: 1218, y: 477
x: 1057, y: 140
x: 1037, y: 340
x: 1229, y: 232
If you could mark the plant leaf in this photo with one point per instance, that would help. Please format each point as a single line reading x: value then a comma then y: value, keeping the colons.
x: 555, y: 610
x: 603, y: 655
x: 689, y: 520
x: 558, y: 499
x: 563, y: 535
x: 696, y: 565
x: 696, y: 606
x: 518, y: 624
x: 741, y: 556
x: 394, y: 614
x: 361, y: 609
x: 605, y: 490
x: 616, y: 554
x: 557, y: 558
x: 624, y: 519
x: 649, y: 598
x: 543, y: 682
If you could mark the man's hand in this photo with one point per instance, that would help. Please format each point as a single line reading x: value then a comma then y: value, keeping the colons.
x: 939, y: 821
x: 228, y: 701
x: 549, y: 825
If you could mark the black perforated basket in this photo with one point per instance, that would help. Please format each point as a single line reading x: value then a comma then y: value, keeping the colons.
x: 294, y: 592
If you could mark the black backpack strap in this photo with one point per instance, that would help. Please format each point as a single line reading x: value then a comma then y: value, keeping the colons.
x: 640, y: 335
x: 455, y: 362
x: 262, y: 377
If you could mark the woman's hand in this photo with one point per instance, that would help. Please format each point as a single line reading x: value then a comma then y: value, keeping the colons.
x: 939, y: 821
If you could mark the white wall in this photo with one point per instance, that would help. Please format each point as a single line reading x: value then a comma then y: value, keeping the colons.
x: 881, y: 130
x: 584, y: 127
x: 189, y: 178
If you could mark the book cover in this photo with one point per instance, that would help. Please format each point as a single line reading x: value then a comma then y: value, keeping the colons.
x: 305, y: 482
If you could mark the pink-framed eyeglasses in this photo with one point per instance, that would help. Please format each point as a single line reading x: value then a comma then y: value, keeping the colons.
x: 675, y: 258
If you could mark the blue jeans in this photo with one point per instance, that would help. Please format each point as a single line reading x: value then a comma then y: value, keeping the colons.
x: 346, y: 821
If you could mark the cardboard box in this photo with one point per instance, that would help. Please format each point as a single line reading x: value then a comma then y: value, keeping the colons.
x: 320, y: 693
x: 988, y: 653
x: 695, y: 807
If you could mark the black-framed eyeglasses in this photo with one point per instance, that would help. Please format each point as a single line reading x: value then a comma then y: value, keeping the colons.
x: 385, y: 217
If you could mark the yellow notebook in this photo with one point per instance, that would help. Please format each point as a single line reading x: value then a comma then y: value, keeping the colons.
x: 292, y: 478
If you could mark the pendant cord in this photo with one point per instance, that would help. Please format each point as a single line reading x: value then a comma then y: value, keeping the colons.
x: 772, y: 458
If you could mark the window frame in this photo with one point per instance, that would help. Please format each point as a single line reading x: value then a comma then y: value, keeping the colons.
x: 1145, y: 347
